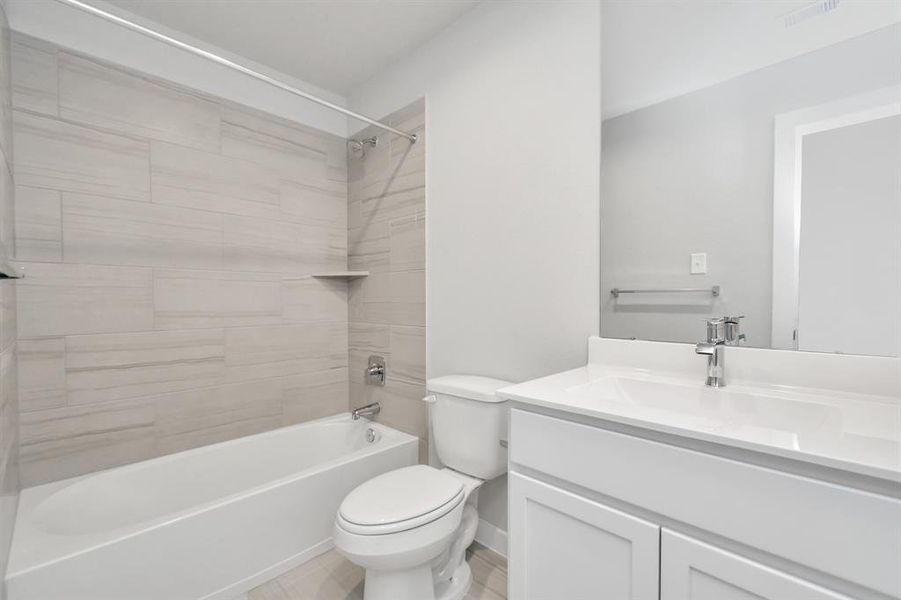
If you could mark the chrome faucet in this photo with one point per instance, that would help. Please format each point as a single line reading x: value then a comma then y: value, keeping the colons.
x: 366, y: 411
x: 732, y: 330
x: 714, y: 349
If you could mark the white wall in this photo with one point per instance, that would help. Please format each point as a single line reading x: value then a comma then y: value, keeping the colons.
x: 513, y: 119
x: 850, y: 264
x: 76, y: 30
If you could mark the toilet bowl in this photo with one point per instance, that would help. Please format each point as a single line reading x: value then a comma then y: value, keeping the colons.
x: 409, y: 528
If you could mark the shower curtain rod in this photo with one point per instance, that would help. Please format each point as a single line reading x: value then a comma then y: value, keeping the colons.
x: 236, y: 66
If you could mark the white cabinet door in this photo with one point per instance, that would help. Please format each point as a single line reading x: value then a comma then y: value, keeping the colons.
x: 693, y: 570
x: 565, y: 547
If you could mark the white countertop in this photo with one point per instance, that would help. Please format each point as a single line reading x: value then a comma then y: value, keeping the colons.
x: 854, y: 432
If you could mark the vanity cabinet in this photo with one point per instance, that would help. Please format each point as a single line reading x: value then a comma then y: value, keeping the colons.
x: 608, y: 515
x: 572, y: 547
x: 693, y: 570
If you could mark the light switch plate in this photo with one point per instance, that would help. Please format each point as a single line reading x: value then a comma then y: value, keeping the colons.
x: 699, y: 263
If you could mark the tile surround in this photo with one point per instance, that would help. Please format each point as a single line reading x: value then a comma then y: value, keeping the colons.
x: 95, y: 94
x: 165, y: 239
x: 98, y: 230
x: 57, y: 155
x: 39, y: 230
x: 188, y: 299
x: 193, y: 178
x: 9, y: 397
x: 66, y: 299
x: 158, y: 226
x: 386, y: 236
x: 36, y: 83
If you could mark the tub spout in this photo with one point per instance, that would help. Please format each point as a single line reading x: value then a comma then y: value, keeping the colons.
x: 366, y: 411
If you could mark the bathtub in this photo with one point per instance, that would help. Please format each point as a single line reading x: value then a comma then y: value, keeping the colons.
x: 209, y: 523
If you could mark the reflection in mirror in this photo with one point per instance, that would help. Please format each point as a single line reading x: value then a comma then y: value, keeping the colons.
x: 751, y: 165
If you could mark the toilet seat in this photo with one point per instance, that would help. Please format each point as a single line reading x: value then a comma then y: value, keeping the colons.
x: 400, y: 500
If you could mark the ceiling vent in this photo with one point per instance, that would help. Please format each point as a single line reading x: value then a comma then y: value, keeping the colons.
x: 810, y: 11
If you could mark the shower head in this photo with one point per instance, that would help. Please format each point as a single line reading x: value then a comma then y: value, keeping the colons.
x: 359, y: 146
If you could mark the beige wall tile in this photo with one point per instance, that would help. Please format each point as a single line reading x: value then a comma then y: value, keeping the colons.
x: 68, y: 441
x: 314, y: 299
x: 369, y: 247
x: 62, y: 156
x: 200, y: 417
x: 369, y: 337
x: 277, y: 351
x: 120, y: 232
x: 298, y: 153
x: 316, y: 202
x: 110, y: 98
x: 8, y: 316
x: 7, y: 210
x: 369, y: 298
x: 408, y: 298
x: 186, y: 299
x: 314, y: 395
x: 399, y: 197
x: 42, y: 374
x: 9, y: 408
x: 112, y: 367
x: 371, y: 311
x: 5, y: 91
x: 38, y: 224
x: 281, y: 247
x: 196, y: 179
x: 408, y: 243
x: 34, y: 80
x: 408, y: 353
x: 59, y: 299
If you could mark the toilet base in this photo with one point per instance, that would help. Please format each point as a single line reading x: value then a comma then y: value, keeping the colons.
x: 416, y: 583
x: 456, y: 588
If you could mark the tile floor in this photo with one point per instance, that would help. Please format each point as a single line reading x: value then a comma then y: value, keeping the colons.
x: 331, y: 577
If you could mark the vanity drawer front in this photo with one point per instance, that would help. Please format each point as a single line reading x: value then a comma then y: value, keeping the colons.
x: 818, y: 524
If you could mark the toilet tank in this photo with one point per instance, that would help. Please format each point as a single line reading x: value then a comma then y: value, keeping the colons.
x: 469, y: 424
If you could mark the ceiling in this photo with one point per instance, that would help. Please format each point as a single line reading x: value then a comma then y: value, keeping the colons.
x: 336, y: 45
x: 653, y: 50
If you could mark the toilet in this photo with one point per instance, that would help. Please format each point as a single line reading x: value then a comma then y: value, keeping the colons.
x: 409, y: 528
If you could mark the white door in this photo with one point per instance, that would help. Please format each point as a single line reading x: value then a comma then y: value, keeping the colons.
x: 693, y: 570
x: 566, y: 547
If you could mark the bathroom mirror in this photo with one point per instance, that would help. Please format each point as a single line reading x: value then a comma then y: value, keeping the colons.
x: 751, y: 165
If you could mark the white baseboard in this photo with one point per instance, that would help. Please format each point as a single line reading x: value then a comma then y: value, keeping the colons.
x: 492, y: 537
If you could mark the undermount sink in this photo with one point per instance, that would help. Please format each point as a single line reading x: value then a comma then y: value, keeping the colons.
x: 807, y: 421
x: 746, y: 405
x: 745, y: 413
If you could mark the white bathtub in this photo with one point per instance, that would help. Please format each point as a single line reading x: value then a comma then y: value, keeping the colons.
x: 207, y: 523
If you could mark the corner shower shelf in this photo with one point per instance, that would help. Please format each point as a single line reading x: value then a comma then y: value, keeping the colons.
x: 342, y: 275
x: 333, y: 275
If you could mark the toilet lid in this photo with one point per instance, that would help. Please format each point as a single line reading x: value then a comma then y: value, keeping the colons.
x: 402, y: 495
